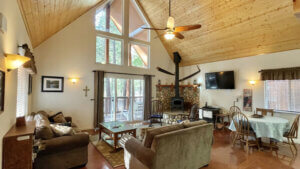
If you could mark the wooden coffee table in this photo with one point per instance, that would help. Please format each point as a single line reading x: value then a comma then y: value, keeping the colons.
x: 115, y: 130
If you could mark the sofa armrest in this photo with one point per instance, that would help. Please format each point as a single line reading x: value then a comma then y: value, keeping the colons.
x: 141, y: 153
x: 68, y: 119
x: 64, y: 143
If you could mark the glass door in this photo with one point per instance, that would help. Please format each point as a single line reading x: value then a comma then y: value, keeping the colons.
x: 109, y: 99
x: 123, y: 99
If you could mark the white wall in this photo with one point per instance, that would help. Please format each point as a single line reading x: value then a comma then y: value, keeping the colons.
x: 16, y: 35
x: 245, y: 69
x: 71, y: 53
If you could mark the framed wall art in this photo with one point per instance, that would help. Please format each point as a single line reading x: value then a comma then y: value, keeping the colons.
x: 52, y: 84
x: 247, y: 100
x: 2, y: 90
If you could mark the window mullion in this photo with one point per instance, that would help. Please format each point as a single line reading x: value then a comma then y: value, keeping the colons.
x: 290, y: 95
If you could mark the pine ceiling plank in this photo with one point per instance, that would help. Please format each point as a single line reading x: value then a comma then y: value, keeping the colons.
x: 43, y: 18
x: 230, y: 28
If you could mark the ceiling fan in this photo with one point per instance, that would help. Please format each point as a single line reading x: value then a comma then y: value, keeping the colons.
x: 172, y: 31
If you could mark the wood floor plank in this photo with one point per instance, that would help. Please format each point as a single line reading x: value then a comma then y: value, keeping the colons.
x: 223, y: 156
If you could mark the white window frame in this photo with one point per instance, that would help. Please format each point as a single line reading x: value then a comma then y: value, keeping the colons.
x: 126, y: 40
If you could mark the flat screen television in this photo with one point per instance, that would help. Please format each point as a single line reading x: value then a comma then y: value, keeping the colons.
x: 220, y: 80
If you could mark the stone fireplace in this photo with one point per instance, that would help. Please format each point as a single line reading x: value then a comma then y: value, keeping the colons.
x: 189, y: 94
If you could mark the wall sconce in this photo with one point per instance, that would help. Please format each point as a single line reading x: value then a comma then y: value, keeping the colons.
x: 252, y: 82
x: 13, y: 61
x: 74, y: 80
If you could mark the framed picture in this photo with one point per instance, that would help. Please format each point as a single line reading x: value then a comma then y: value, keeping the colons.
x: 52, y: 84
x: 2, y: 89
x: 247, y: 100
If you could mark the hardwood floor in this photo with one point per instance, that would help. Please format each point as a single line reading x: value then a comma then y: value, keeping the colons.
x: 224, y: 156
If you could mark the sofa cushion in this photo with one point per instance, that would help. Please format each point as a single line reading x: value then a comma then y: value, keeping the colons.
x: 43, y: 129
x: 195, y: 123
x: 60, y: 130
x: 64, y: 143
x: 42, y: 112
x: 58, y: 118
x: 151, y: 133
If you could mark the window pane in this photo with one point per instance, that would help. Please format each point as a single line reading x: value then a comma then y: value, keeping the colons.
x: 114, y: 54
x: 295, y: 95
x: 100, y: 50
x: 139, y: 56
x: 123, y: 99
x: 136, y: 22
x: 277, y: 94
x: 109, y: 103
x: 138, y: 100
x: 109, y: 18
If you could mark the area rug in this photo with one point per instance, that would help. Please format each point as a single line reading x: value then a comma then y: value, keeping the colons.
x: 114, y: 159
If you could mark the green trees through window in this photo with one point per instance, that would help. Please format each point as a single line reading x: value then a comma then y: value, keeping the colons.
x: 110, y: 48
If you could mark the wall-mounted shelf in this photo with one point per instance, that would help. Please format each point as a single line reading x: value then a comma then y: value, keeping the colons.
x: 180, y: 86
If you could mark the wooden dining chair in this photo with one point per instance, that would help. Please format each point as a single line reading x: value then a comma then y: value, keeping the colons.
x: 265, y: 112
x: 293, y: 134
x: 232, y: 112
x: 244, y: 132
x: 156, y: 115
x: 193, y: 114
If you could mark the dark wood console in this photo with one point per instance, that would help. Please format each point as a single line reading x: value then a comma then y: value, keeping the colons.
x: 17, y: 147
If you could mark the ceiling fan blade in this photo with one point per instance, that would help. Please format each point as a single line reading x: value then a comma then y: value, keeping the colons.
x: 178, y: 35
x: 187, y: 28
x: 156, y: 28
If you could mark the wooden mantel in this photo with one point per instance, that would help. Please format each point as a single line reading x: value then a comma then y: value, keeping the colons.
x: 180, y: 86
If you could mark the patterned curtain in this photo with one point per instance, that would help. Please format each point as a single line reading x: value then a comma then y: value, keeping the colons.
x: 281, y: 74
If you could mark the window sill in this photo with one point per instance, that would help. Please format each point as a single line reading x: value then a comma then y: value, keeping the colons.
x: 286, y: 112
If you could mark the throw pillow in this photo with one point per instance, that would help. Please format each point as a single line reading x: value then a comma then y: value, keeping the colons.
x: 61, y: 130
x: 58, y: 118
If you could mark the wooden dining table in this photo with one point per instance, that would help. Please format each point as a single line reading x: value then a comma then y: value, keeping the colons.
x: 267, y: 127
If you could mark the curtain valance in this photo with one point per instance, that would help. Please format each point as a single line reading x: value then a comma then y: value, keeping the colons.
x: 281, y: 74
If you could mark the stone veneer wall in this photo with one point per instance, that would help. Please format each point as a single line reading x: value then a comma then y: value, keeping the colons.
x: 164, y: 94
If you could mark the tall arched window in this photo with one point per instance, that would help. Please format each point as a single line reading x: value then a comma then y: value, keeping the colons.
x: 120, y: 39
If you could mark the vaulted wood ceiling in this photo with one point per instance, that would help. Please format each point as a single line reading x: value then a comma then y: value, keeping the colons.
x: 43, y: 18
x: 230, y: 28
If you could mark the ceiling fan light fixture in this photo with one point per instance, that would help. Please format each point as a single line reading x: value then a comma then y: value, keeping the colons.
x: 169, y: 35
x: 171, y: 23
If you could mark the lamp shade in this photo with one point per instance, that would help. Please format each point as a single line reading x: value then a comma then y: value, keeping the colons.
x: 13, y: 61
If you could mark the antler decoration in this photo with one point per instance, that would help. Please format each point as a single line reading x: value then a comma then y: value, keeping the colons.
x: 185, y: 78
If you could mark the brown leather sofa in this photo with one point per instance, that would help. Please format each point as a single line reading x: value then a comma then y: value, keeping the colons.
x: 60, y: 152
x: 182, y: 146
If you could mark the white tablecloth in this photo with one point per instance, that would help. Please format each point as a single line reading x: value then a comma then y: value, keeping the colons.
x: 268, y: 126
